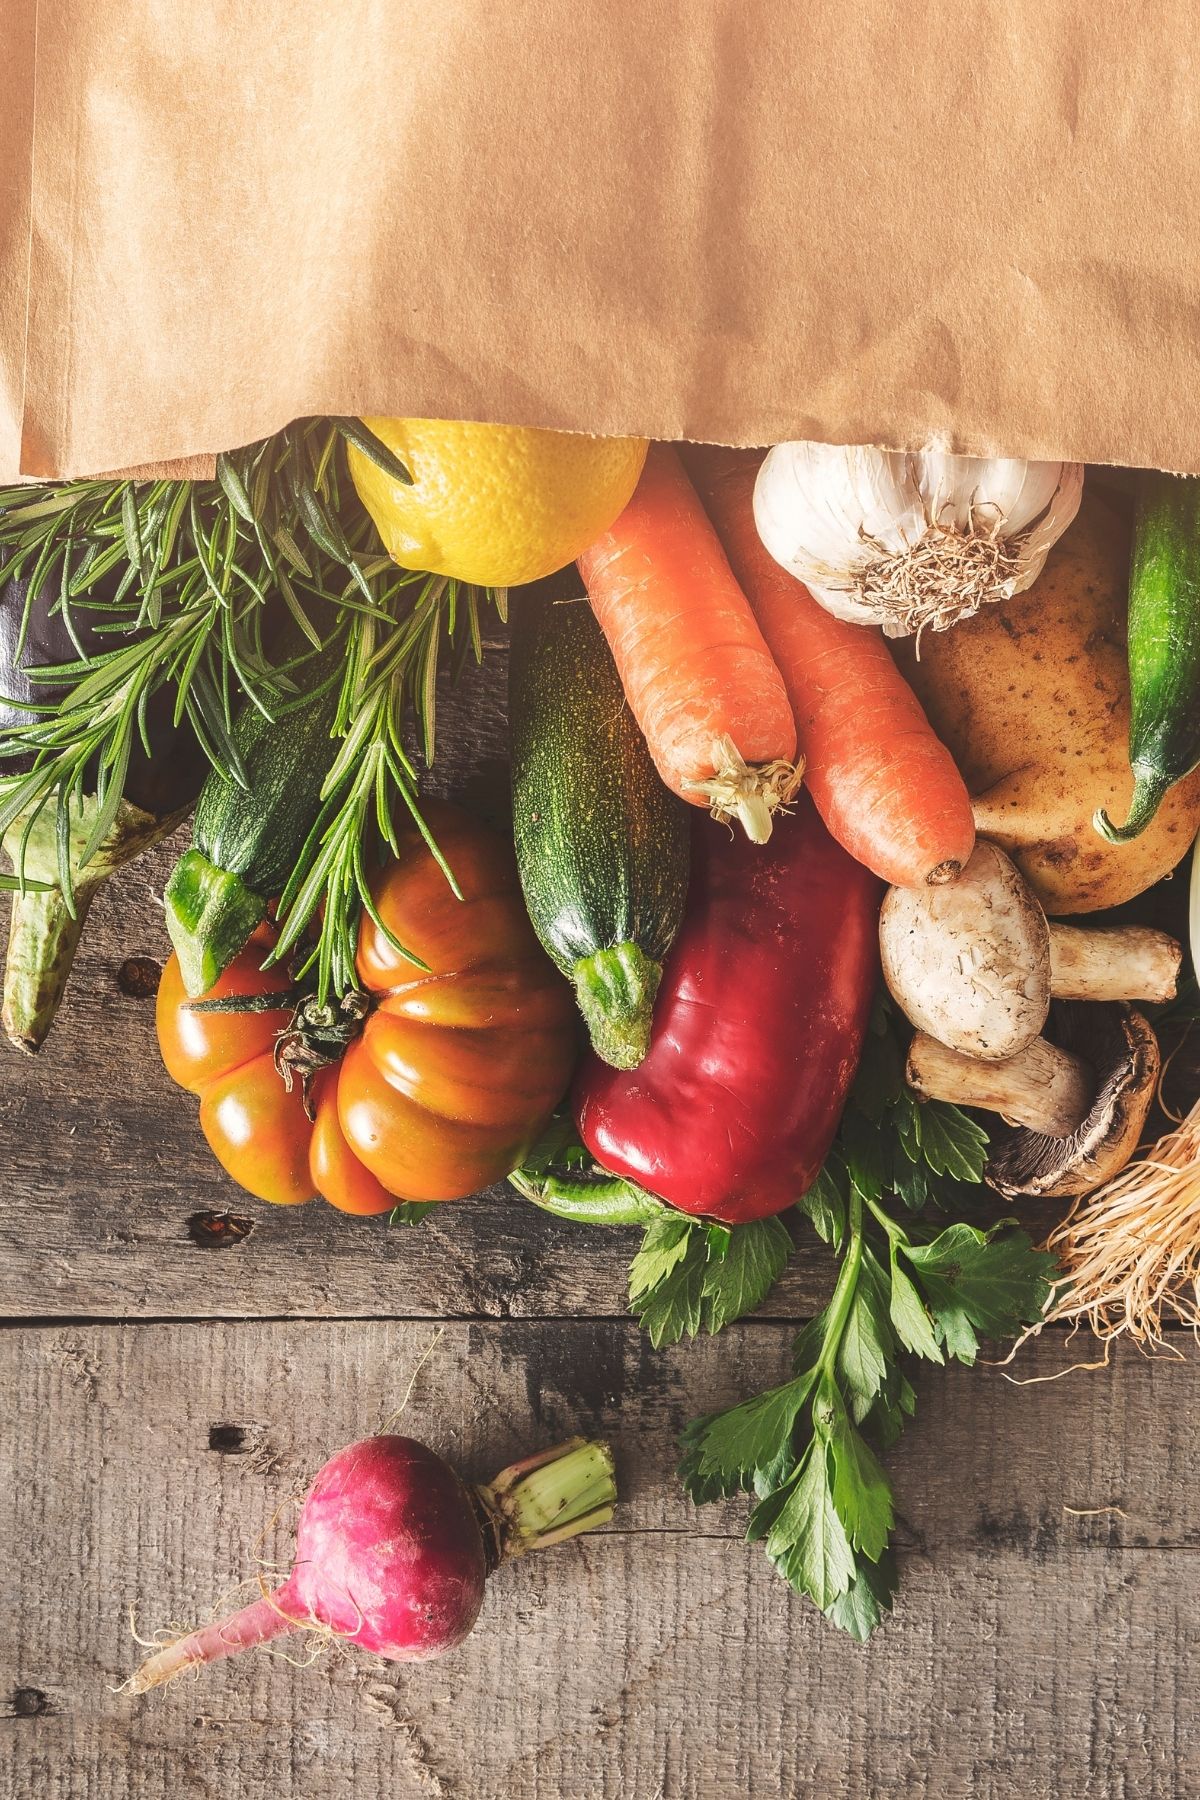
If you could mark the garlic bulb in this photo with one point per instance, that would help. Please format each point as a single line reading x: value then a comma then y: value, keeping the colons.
x: 908, y: 540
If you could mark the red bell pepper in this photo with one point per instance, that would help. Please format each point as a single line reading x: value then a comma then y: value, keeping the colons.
x: 758, y: 1027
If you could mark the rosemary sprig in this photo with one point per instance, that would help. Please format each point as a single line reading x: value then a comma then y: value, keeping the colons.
x: 393, y: 651
x: 184, y: 572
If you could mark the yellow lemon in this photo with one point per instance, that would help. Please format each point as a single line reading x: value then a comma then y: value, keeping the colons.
x: 494, y: 504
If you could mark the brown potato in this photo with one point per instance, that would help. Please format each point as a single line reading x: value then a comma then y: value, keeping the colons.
x: 1032, y: 699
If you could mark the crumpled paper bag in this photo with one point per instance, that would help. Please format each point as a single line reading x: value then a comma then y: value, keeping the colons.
x: 976, y: 227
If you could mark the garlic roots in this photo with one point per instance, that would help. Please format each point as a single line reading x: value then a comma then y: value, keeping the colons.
x: 911, y: 540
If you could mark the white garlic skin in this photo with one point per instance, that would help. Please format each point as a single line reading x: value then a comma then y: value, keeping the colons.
x: 829, y: 512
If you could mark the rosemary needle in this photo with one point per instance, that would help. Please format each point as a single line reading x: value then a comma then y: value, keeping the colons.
x: 195, y: 579
x: 392, y: 655
x: 192, y: 577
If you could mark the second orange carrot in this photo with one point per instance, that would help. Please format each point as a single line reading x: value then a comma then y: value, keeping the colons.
x: 694, y: 664
x: 884, y: 783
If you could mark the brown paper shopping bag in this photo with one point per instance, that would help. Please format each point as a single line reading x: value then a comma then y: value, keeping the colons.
x: 16, y: 162
x: 976, y: 226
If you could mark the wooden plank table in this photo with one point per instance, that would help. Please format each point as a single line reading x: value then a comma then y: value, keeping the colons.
x: 177, y: 1359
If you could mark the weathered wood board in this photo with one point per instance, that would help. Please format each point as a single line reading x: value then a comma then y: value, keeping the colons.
x: 1044, y: 1645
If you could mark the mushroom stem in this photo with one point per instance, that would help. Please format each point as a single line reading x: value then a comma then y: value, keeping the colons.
x: 1041, y: 1087
x: 1119, y: 962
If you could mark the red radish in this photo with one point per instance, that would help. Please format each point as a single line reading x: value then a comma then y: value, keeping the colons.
x: 392, y: 1550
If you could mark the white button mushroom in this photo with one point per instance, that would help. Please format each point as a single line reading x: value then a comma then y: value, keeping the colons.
x: 974, y: 964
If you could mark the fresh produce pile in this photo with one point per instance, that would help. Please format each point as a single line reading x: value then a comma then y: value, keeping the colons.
x: 813, y: 753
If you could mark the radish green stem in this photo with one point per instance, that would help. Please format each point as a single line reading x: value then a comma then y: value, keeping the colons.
x: 551, y: 1497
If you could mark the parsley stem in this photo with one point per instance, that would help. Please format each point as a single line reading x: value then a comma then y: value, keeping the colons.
x: 896, y: 1233
x: 847, y: 1282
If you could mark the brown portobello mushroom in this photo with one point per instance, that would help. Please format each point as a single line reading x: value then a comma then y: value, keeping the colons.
x: 1074, y: 1109
x: 159, y: 791
x: 976, y: 964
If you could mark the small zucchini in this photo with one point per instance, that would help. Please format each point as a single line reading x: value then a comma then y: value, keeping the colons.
x: 245, y: 840
x: 1164, y: 647
x: 602, y: 845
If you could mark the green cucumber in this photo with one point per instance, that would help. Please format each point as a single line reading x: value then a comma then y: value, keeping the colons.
x: 245, y: 840
x: 1164, y: 647
x: 602, y: 845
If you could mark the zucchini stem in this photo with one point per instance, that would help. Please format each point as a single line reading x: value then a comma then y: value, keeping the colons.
x: 210, y: 915
x: 615, y: 990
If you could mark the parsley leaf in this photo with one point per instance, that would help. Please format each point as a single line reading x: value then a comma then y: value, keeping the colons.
x: 410, y: 1212
x: 988, y: 1283
x: 686, y: 1279
x: 867, y: 1346
x: 861, y: 1492
x: 740, y: 1279
x: 824, y: 1501
x: 895, y: 1402
x: 807, y: 1540
x: 910, y: 1317
x: 863, y: 1147
x: 736, y: 1447
x: 809, y: 1448
x: 868, y: 1600
x: 879, y: 1083
x: 671, y: 1306
x: 950, y: 1142
x: 665, y: 1244
x: 825, y: 1201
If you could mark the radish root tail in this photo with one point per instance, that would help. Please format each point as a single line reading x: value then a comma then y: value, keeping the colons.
x: 251, y: 1625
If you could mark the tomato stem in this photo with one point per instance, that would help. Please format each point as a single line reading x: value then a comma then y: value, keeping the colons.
x: 318, y: 1035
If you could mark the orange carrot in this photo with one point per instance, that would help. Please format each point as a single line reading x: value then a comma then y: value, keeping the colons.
x: 696, y: 670
x: 886, y: 787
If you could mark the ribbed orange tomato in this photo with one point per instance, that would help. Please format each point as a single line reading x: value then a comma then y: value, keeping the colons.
x: 455, y: 1071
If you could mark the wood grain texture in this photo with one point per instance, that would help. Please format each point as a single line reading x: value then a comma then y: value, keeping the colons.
x: 1036, y: 1651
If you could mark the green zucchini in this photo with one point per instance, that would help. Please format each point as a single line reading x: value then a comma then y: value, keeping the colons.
x: 602, y: 845
x: 1164, y: 647
x: 245, y: 840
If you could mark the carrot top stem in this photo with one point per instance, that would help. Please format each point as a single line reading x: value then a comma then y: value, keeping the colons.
x: 749, y: 793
